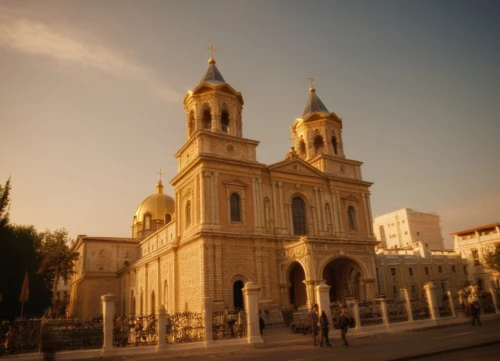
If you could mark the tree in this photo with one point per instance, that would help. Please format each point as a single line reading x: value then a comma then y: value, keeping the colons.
x: 4, y: 204
x: 57, y: 258
x: 491, y: 258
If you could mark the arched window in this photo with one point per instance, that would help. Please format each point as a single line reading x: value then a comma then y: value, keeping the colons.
x: 334, y: 145
x: 267, y: 212
x: 318, y: 144
x: 351, y: 215
x: 328, y: 213
x: 141, y: 303
x: 191, y: 124
x: 188, y: 214
x: 299, y: 216
x: 168, y: 218
x: 207, y: 119
x: 302, y: 149
x: 235, y: 204
x: 165, y: 295
x: 132, y: 303
x: 224, y: 121
x: 153, y: 305
x: 147, y: 221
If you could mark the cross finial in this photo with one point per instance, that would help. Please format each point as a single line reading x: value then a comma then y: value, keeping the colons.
x: 212, y: 49
x: 310, y: 78
x: 160, y: 173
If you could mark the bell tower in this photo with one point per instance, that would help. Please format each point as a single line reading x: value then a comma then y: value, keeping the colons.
x: 318, y: 132
x: 213, y: 106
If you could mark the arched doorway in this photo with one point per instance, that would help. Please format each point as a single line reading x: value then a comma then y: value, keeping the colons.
x: 343, y: 275
x: 238, y: 295
x: 298, y: 294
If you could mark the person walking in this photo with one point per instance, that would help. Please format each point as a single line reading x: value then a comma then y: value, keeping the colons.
x: 474, y: 310
x: 344, y: 326
x: 314, y: 323
x: 325, y: 325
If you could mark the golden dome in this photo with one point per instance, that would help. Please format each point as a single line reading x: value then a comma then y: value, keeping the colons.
x: 157, y: 205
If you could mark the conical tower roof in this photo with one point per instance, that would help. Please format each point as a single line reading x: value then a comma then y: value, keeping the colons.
x: 314, y: 104
x: 212, y: 75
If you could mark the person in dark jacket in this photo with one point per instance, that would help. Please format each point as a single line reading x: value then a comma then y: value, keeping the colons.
x: 344, y: 326
x: 325, y: 325
x: 474, y: 310
x: 262, y: 324
x: 313, y: 319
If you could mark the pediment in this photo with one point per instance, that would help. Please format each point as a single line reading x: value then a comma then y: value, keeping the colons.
x: 235, y: 182
x: 297, y: 166
x: 351, y: 198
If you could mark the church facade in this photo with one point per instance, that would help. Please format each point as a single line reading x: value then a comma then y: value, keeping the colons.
x: 286, y: 227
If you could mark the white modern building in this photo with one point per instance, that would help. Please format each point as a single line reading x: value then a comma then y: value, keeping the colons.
x: 472, y: 244
x: 406, y: 228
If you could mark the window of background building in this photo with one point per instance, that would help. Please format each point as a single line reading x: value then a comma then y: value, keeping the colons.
x: 393, y: 272
x: 235, y: 203
x: 475, y: 257
x: 465, y: 270
x: 426, y: 270
x: 440, y: 269
x: 453, y: 268
x: 394, y: 289
x: 410, y: 271
x: 413, y: 289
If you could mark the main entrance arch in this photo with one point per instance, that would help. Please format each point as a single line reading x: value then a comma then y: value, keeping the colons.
x: 296, y: 277
x: 344, y: 275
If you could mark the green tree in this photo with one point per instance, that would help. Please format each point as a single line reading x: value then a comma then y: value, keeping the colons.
x: 20, y: 252
x: 57, y: 258
x: 492, y: 258
x: 4, y: 204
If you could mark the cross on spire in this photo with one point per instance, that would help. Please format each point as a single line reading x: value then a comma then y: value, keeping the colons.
x: 212, y: 49
x: 160, y: 173
x: 312, y: 80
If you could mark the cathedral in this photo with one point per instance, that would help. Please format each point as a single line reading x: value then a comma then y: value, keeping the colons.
x: 286, y: 227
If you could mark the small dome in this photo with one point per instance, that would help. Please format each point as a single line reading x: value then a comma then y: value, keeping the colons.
x: 159, y: 206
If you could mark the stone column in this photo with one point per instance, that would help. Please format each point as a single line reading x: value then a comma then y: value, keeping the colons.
x: 383, y: 309
x: 310, y: 293
x: 353, y: 306
x: 494, y: 299
x: 162, y: 334
x: 403, y: 293
x: 323, y: 298
x: 251, y: 294
x: 430, y: 293
x: 207, y: 318
x: 108, y: 314
x: 452, y: 305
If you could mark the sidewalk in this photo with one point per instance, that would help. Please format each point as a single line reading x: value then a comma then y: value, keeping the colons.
x: 276, y: 337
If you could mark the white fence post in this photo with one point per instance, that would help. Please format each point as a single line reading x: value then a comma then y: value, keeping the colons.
x: 108, y: 315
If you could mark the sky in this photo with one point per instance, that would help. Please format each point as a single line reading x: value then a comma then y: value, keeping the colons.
x: 91, y: 98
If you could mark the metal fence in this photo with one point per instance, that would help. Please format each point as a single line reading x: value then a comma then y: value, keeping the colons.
x: 396, y: 311
x: 72, y: 334
x: 135, y: 331
x: 420, y: 309
x: 185, y: 327
x: 228, y: 324
x: 19, y: 337
x: 369, y: 313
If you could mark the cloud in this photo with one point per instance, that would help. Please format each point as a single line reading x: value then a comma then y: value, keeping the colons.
x: 32, y: 37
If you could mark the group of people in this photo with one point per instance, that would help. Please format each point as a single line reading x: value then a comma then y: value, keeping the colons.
x: 320, y: 325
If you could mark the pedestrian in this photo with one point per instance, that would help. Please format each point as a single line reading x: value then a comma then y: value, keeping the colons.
x: 314, y: 323
x: 474, y: 310
x: 325, y: 325
x: 262, y: 324
x: 344, y: 326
